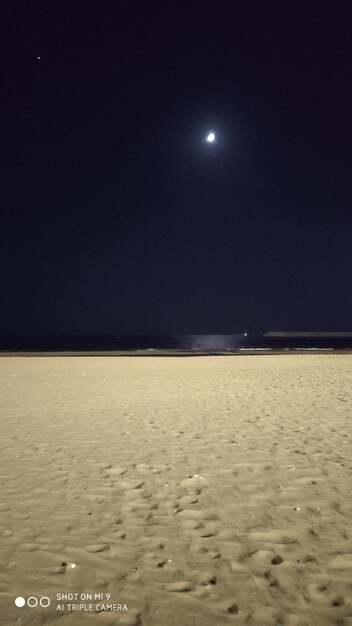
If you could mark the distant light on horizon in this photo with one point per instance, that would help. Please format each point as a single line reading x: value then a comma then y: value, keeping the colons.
x: 211, y: 137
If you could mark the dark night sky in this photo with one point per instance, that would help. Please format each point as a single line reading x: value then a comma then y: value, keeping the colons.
x: 117, y: 216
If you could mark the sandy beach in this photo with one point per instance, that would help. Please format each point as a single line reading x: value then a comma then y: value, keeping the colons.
x: 176, y: 491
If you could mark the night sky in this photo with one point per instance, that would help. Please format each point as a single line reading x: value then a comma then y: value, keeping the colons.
x: 117, y: 216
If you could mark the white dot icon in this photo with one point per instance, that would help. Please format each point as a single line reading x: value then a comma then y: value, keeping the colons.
x: 20, y: 601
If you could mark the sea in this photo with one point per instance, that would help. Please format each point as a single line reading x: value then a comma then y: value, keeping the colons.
x: 177, y: 345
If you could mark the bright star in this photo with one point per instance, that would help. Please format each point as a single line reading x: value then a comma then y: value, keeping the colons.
x: 211, y: 137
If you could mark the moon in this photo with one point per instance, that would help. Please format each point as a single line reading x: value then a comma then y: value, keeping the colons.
x: 211, y: 137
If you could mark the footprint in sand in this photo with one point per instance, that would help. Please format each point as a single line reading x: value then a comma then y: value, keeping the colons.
x: 272, y: 581
x: 144, y: 469
x: 138, y: 500
x: 209, y: 551
x: 228, y: 606
x: 196, y: 514
x: 97, y: 547
x: 182, y: 585
x: 152, y: 543
x: 210, y: 529
x: 112, y: 471
x: 187, y: 500
x: 194, y: 482
x: 139, y: 505
x: 129, y: 485
x: 119, y: 534
x: 190, y: 524
x: 213, y: 554
x: 134, y: 493
x: 28, y: 547
x: 206, y: 578
x: 262, y: 557
x: 200, y: 522
x: 226, y: 534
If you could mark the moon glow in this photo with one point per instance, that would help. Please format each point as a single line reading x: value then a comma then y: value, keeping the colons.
x: 211, y: 137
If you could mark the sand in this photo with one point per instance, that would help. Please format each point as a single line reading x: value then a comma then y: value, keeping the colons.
x: 193, y: 491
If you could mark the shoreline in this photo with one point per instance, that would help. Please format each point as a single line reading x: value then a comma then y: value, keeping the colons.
x: 151, y: 352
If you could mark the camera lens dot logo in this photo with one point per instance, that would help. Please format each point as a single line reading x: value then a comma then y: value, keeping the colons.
x: 32, y: 602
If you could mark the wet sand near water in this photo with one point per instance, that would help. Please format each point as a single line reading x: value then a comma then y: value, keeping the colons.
x: 196, y: 491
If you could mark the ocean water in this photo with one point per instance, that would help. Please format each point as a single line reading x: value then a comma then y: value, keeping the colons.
x: 189, y: 343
